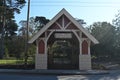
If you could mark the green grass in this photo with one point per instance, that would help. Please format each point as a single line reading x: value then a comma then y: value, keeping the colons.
x: 13, y: 62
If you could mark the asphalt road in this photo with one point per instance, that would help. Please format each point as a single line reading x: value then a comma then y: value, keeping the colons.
x: 114, y: 75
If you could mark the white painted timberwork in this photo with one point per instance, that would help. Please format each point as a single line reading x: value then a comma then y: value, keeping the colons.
x: 79, y: 26
x: 84, y: 59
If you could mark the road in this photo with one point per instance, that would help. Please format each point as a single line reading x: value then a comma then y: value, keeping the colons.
x: 114, y: 75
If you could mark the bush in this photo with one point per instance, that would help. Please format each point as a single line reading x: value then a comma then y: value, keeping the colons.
x: 98, y: 66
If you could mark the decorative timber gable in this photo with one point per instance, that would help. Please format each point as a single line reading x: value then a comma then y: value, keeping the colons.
x: 63, y: 21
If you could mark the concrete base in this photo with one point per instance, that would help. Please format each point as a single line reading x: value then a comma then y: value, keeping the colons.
x: 41, y: 61
x: 84, y: 62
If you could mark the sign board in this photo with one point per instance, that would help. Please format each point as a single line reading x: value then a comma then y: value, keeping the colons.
x: 63, y: 35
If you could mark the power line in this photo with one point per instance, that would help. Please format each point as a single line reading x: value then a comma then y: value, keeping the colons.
x: 75, y: 2
x: 74, y: 5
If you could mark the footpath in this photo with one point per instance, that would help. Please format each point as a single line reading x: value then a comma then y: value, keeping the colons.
x: 55, y: 72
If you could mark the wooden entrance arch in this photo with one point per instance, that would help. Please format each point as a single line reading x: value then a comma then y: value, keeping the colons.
x: 63, y: 28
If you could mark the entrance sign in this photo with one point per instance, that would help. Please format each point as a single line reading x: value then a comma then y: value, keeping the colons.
x: 63, y: 35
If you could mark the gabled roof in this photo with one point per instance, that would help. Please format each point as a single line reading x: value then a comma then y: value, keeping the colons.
x: 63, y: 11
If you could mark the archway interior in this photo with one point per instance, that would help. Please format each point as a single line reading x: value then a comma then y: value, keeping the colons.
x: 63, y: 51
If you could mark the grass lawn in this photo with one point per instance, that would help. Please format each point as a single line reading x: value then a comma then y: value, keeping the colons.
x: 13, y: 62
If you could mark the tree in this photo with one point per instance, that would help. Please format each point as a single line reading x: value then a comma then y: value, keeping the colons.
x: 35, y: 24
x: 15, y: 46
x: 8, y: 25
x: 23, y: 32
x: 31, y: 25
x: 81, y: 21
x: 116, y: 22
x: 41, y: 22
x: 10, y: 29
x: 7, y: 11
x: 105, y: 33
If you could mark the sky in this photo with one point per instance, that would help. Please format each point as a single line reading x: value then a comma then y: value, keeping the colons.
x: 89, y: 10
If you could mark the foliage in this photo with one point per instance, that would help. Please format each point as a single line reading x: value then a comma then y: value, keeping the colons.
x: 81, y: 21
x: 8, y: 26
x: 15, y: 50
x: 31, y: 27
x: 35, y: 24
x: 32, y: 51
x: 6, y: 55
x: 11, y: 27
x: 15, y: 47
x: 61, y: 49
x: 98, y: 66
x: 41, y: 21
x: 7, y: 11
x: 116, y: 22
x: 105, y: 33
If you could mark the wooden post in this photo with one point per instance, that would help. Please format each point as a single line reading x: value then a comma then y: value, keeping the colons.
x: 27, y: 34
